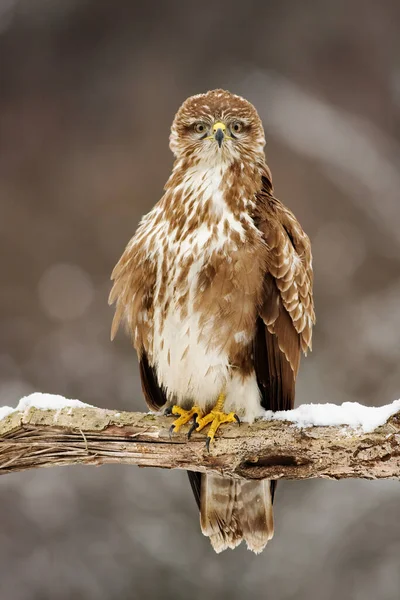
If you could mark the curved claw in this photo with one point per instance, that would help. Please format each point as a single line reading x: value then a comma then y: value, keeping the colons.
x: 192, y: 428
x: 208, y: 441
x: 171, y: 430
x: 237, y: 419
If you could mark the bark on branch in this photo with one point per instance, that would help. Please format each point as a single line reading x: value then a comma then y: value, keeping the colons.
x: 267, y: 449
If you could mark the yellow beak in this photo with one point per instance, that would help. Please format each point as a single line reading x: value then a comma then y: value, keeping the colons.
x: 219, y: 132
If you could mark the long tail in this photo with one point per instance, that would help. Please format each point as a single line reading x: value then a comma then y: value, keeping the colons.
x: 232, y: 510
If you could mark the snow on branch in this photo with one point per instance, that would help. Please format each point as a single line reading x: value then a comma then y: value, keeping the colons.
x: 320, y: 440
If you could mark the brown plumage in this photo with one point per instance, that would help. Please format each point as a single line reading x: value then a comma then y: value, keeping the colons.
x: 215, y: 288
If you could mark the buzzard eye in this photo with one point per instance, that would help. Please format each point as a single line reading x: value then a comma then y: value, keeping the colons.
x: 200, y: 127
x: 237, y: 126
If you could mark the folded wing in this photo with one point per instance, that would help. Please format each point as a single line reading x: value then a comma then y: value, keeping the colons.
x: 286, y: 316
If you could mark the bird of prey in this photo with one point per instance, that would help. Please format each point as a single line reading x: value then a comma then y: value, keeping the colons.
x: 215, y: 288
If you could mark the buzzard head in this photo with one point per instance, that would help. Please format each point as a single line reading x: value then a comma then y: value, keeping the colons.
x: 217, y: 127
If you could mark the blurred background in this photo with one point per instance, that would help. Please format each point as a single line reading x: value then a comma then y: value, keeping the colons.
x: 88, y: 90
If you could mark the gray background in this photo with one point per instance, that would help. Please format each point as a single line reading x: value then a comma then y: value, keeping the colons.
x: 88, y: 90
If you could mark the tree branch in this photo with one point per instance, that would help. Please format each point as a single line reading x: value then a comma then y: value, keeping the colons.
x: 267, y: 449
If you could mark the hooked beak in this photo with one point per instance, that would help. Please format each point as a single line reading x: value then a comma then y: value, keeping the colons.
x: 219, y: 132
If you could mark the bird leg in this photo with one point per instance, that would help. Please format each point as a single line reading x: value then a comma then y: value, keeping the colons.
x: 216, y: 417
x: 184, y: 416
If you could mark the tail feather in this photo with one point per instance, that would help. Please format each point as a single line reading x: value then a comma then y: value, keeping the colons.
x: 232, y: 510
x: 256, y: 512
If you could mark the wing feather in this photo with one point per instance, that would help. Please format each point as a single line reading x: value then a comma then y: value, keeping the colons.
x: 154, y: 393
x: 133, y: 292
x: 286, y: 315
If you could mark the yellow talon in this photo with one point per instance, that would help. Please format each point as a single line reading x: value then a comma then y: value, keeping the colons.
x: 216, y: 417
x: 184, y: 416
